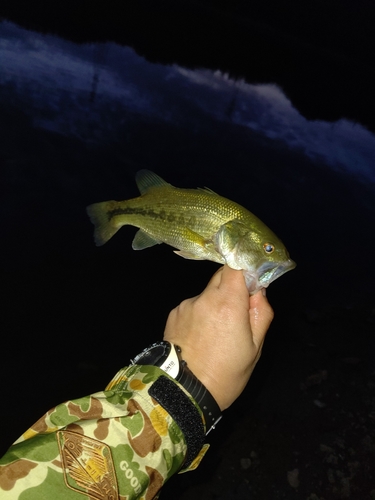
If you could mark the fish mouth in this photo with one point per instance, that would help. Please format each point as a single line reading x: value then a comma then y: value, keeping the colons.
x: 269, y: 273
x: 266, y: 274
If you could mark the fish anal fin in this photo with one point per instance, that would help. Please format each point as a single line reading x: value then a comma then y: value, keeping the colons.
x: 146, y: 180
x: 143, y: 240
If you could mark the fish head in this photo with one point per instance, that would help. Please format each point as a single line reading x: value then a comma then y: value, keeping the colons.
x: 256, y: 250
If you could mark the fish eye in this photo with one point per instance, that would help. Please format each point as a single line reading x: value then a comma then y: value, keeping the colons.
x: 268, y: 248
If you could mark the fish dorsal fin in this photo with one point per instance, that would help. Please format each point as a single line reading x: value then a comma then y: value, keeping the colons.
x: 146, y: 179
x: 207, y: 190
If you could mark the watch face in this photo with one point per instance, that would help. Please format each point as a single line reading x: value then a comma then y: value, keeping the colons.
x: 154, y: 355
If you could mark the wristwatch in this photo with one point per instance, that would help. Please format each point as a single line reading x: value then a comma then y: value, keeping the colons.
x: 168, y: 357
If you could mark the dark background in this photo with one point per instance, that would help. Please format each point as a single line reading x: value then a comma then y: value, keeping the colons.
x: 73, y: 313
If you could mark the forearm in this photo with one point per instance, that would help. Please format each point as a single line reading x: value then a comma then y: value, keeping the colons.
x: 118, y: 441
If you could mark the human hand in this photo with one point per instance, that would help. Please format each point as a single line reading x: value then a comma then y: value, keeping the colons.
x: 221, y: 333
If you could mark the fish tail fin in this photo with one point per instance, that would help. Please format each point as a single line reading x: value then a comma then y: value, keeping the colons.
x: 104, y: 225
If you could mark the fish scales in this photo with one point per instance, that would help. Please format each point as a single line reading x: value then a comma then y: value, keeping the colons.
x: 190, y: 209
x: 200, y: 224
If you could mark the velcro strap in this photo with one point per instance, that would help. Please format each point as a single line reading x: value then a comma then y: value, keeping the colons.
x: 167, y: 393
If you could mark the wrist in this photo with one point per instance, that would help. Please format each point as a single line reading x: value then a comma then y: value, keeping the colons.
x: 204, y: 371
x: 168, y: 357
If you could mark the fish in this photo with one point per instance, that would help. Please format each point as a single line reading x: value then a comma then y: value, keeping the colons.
x: 199, y: 224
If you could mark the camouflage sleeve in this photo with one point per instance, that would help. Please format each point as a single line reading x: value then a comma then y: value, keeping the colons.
x: 115, y: 444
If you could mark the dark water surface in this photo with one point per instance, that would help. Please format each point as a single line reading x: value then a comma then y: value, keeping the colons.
x: 76, y: 123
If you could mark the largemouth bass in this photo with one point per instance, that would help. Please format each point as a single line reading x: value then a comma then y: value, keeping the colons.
x: 200, y: 224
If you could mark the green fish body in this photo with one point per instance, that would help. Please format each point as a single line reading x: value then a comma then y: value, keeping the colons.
x: 198, y: 222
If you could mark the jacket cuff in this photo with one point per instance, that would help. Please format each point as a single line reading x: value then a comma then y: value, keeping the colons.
x: 152, y: 383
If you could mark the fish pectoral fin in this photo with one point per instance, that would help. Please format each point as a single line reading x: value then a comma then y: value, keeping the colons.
x: 197, y: 244
x: 188, y: 255
x: 193, y: 236
x: 198, y: 248
x: 143, y: 240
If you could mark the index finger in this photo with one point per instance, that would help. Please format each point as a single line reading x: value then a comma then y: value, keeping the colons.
x: 230, y: 285
x: 225, y: 276
x: 233, y: 280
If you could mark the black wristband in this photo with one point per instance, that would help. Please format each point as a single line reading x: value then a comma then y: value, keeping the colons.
x: 210, y: 409
x: 168, y: 357
x: 167, y: 393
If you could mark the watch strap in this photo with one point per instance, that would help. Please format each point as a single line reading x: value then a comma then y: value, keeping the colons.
x: 210, y: 409
x: 168, y: 357
x: 167, y: 393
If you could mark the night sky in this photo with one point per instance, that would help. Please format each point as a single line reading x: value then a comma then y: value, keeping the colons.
x: 272, y: 107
